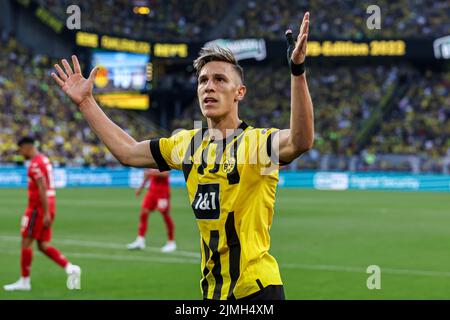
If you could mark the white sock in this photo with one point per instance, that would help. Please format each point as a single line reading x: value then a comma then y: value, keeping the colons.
x: 140, y: 239
x: 25, y: 280
x: 68, y: 268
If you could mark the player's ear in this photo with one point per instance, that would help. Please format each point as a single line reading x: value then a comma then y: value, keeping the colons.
x: 241, y: 91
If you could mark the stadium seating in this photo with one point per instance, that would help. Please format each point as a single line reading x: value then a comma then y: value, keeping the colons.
x: 344, y: 96
x: 174, y: 20
x: 193, y: 20
x: 269, y: 19
x: 419, y: 124
x: 32, y: 105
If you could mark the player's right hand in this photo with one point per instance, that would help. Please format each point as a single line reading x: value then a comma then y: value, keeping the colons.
x: 72, y: 82
x: 138, y: 192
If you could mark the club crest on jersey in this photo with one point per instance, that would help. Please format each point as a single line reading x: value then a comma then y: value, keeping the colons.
x: 229, y: 165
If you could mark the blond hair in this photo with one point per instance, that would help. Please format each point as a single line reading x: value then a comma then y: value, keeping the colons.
x: 216, y: 53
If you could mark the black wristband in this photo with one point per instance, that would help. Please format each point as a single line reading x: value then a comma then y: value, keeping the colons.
x: 297, y: 69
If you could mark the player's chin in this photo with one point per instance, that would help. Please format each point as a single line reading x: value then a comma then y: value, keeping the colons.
x: 212, y: 112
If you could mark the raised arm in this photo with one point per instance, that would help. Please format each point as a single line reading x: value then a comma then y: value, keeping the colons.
x: 299, y: 138
x: 79, y: 89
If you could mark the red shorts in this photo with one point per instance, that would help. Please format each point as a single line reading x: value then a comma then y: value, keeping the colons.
x: 156, y: 201
x: 32, y: 225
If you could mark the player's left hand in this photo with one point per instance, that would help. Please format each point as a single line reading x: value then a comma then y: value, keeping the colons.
x: 72, y: 82
x: 138, y: 192
x: 47, y: 220
x: 299, y: 53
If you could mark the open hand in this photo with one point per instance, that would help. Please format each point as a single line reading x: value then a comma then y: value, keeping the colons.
x: 72, y: 82
x: 299, y: 53
x: 138, y: 192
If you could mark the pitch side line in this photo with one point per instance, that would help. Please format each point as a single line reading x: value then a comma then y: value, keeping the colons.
x: 99, y: 256
x: 313, y: 267
x: 323, y: 267
x: 105, y: 245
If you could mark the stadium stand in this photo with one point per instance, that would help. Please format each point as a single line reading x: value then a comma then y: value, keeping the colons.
x: 32, y: 105
x: 346, y: 96
x: 344, y: 19
x: 177, y: 20
x: 195, y: 20
x: 419, y: 124
x: 344, y: 99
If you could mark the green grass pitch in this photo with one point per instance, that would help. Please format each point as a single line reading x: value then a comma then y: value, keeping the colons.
x: 323, y: 241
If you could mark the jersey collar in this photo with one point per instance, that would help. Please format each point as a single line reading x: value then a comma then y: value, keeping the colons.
x: 242, y: 127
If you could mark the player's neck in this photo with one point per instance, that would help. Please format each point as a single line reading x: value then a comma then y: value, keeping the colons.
x: 33, y: 153
x: 226, y: 125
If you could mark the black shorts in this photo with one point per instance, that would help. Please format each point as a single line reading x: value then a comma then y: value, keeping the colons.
x: 271, y: 292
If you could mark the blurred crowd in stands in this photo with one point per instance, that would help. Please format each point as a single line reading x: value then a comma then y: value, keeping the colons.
x: 168, y: 20
x: 343, y: 19
x: 345, y: 97
x: 420, y: 123
x: 174, y: 20
x: 31, y: 104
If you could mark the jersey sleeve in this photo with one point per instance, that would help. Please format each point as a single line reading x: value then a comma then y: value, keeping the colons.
x: 169, y: 152
x: 262, y: 151
x: 272, y: 149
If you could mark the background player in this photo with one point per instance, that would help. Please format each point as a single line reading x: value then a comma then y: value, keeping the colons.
x: 39, y: 217
x: 157, y: 197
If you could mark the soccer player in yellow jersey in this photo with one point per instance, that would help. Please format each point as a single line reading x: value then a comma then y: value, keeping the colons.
x: 231, y: 168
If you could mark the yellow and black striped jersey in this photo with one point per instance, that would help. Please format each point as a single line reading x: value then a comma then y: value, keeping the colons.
x: 231, y: 185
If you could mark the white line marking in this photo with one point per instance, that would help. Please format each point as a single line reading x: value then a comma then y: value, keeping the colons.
x: 173, y: 259
x: 109, y: 257
x: 363, y: 270
x: 104, y: 245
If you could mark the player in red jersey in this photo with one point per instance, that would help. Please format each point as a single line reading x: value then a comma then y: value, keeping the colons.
x: 38, y: 218
x: 157, y: 197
